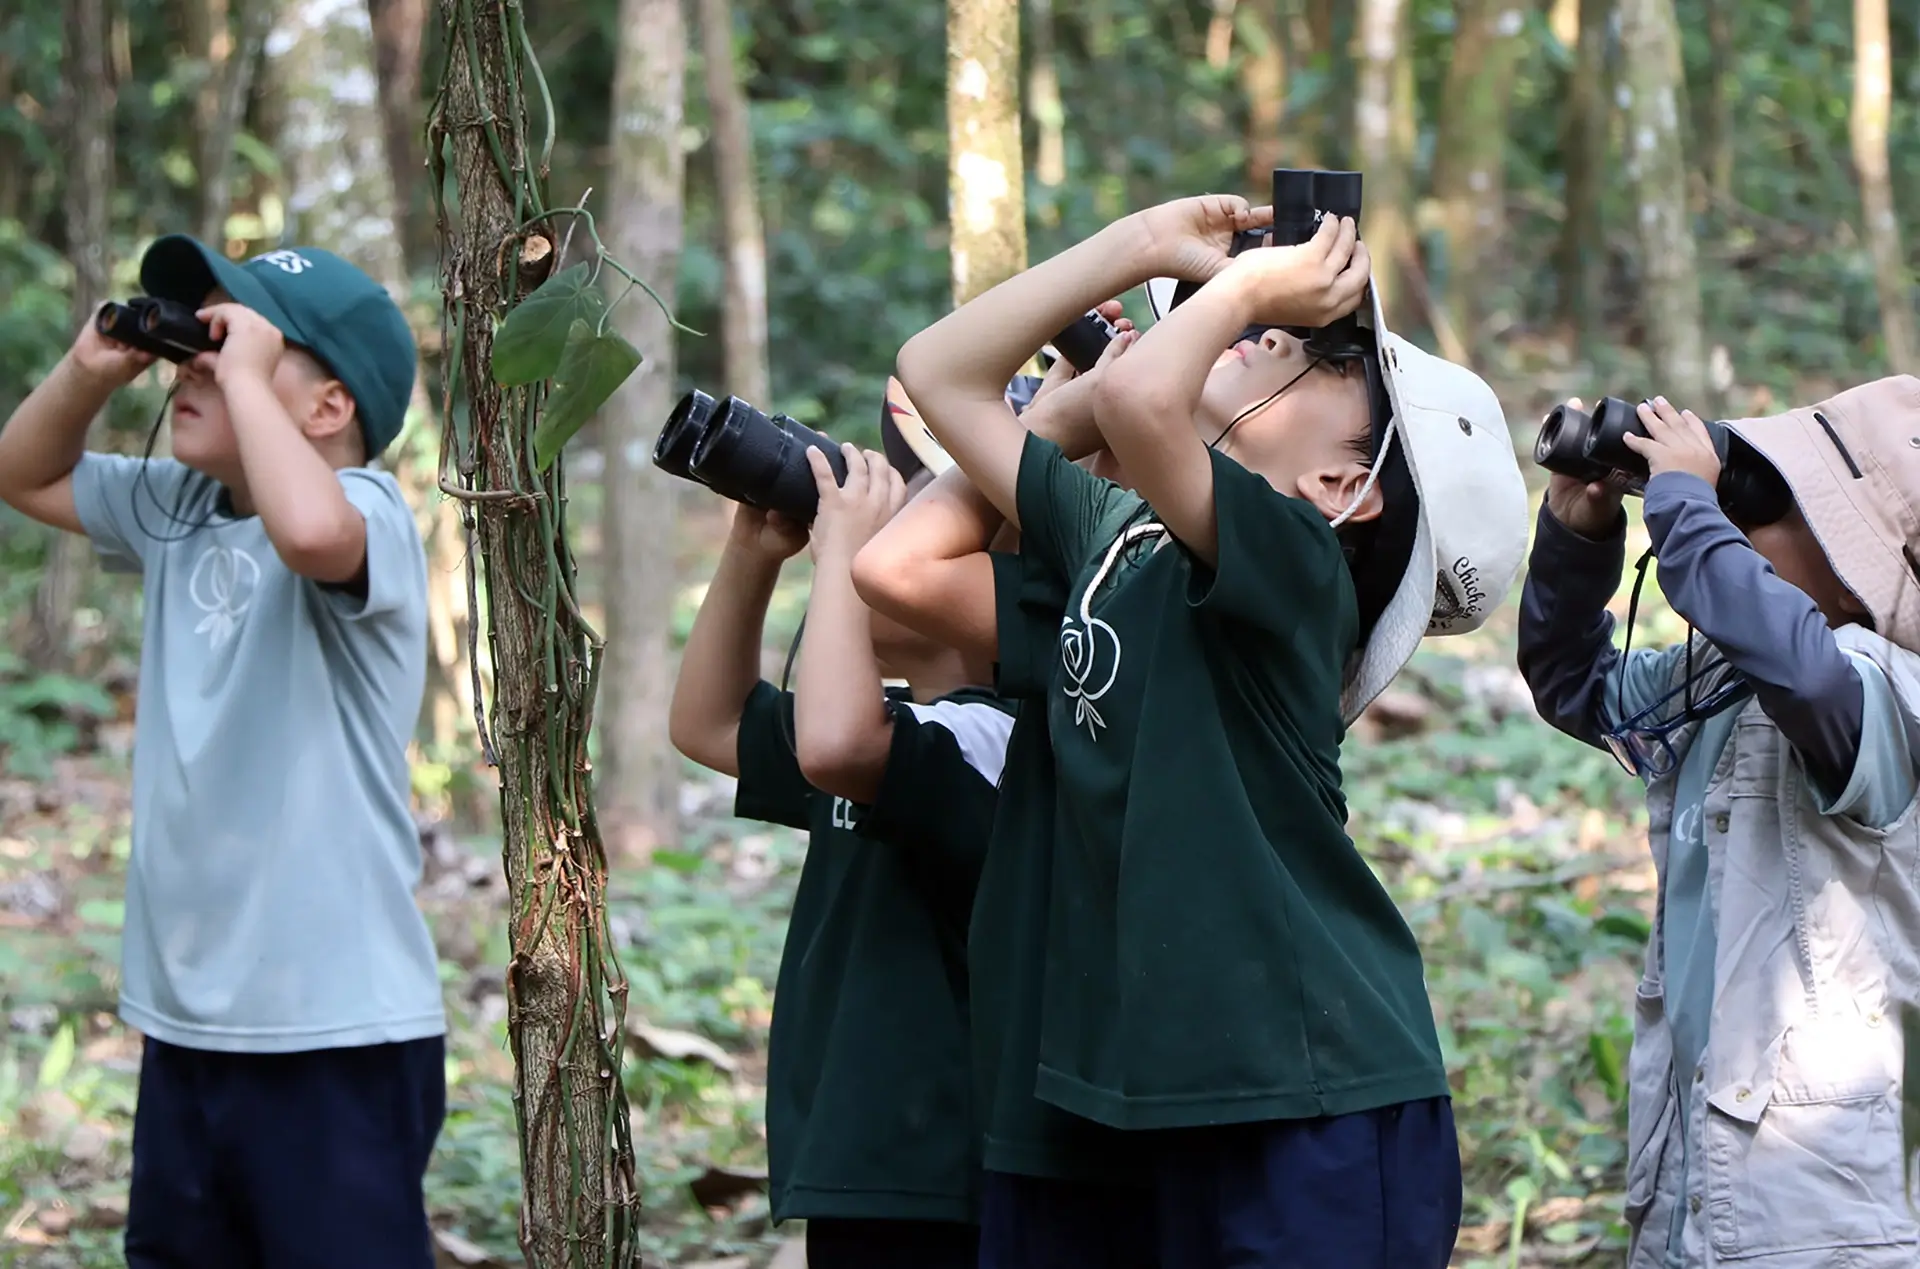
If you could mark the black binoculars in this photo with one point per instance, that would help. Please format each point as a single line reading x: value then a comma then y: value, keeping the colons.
x: 742, y: 454
x: 1592, y: 447
x: 163, y: 328
x: 1302, y: 197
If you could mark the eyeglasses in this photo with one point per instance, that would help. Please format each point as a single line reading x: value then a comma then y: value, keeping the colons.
x: 1643, y: 744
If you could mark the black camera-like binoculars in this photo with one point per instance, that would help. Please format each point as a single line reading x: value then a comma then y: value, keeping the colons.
x: 1592, y: 447
x: 742, y: 454
x: 162, y: 328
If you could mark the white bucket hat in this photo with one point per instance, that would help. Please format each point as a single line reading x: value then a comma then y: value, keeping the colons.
x: 1471, y: 539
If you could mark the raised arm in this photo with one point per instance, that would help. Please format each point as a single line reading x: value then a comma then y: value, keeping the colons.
x: 47, y: 436
x: 842, y: 729
x: 957, y: 370
x: 929, y: 567
x: 721, y: 665
x: 1145, y: 405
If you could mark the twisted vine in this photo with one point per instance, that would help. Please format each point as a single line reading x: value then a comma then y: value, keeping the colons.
x: 566, y: 994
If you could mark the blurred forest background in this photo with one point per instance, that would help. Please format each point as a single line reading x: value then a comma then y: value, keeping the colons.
x: 1695, y: 197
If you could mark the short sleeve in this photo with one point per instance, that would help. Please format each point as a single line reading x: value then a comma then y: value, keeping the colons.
x: 1883, y: 782
x: 1062, y: 507
x: 771, y: 787
x: 1029, y: 598
x: 1278, y: 560
x: 126, y: 504
x: 938, y: 790
x: 943, y: 770
x: 396, y: 569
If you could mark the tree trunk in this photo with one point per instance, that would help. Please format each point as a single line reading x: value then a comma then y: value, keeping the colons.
x: 1384, y: 136
x: 1043, y: 98
x: 743, y: 333
x: 1872, y: 98
x: 639, y: 785
x: 1220, y: 34
x: 1263, y: 78
x: 398, y: 27
x: 230, y: 90
x: 1657, y: 170
x: 986, y: 176
x: 1588, y: 119
x: 90, y: 88
x: 1716, y: 111
x: 565, y: 996
x: 1470, y: 156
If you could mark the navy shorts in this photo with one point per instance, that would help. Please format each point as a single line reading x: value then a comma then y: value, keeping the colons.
x: 1378, y: 1189
x: 883, y: 1244
x: 309, y: 1160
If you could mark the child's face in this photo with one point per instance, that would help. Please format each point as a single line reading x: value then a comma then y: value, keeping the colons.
x: 1789, y: 545
x: 203, y: 436
x: 1310, y: 440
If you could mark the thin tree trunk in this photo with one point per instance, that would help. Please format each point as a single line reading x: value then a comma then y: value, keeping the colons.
x: 90, y: 90
x: 565, y: 997
x: 639, y: 781
x: 1657, y: 169
x: 1383, y: 139
x: 1220, y: 34
x: 986, y: 176
x: 230, y: 94
x: 1471, y: 152
x: 1716, y: 111
x: 1872, y: 100
x: 1588, y: 119
x: 1263, y: 78
x: 339, y: 185
x: 744, y: 330
x: 210, y: 40
x: 1043, y: 98
x: 398, y: 28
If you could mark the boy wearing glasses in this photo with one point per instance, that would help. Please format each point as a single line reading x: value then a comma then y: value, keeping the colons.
x: 1778, y: 752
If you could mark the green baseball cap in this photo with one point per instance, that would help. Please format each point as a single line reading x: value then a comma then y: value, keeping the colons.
x: 319, y: 302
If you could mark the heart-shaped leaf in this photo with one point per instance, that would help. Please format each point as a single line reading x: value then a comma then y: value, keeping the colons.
x: 591, y: 367
x: 532, y: 342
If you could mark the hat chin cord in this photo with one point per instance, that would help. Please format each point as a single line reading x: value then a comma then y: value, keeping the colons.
x: 1373, y: 478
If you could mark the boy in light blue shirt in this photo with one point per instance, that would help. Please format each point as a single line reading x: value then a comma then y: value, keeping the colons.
x: 292, y: 1082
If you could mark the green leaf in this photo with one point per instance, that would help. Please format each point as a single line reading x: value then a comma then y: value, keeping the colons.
x: 681, y: 861
x: 531, y: 343
x: 59, y: 1057
x: 591, y: 367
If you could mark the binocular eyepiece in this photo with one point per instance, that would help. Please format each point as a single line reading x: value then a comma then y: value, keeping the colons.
x: 740, y: 453
x: 1592, y: 447
x: 162, y: 328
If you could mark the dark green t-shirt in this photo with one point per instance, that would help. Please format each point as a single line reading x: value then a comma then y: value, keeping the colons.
x: 869, y: 1109
x: 1006, y: 952
x: 1218, y: 951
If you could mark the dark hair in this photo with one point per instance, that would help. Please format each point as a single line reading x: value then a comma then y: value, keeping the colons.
x: 1377, y: 550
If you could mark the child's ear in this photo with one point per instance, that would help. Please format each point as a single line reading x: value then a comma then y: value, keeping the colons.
x: 1332, y: 490
x: 331, y: 411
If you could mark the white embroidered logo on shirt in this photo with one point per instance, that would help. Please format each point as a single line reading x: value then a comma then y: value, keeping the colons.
x: 222, y: 587
x: 1084, y: 645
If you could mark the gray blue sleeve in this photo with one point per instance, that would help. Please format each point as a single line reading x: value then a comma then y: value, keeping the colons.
x: 1580, y: 682
x: 1768, y: 629
x: 396, y: 567
x: 106, y: 488
x: 1883, y: 782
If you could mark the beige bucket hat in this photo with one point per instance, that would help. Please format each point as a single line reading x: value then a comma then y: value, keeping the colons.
x: 1853, y: 463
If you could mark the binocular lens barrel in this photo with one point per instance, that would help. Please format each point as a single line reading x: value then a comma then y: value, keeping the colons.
x: 1083, y: 342
x: 742, y: 454
x: 673, y: 452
